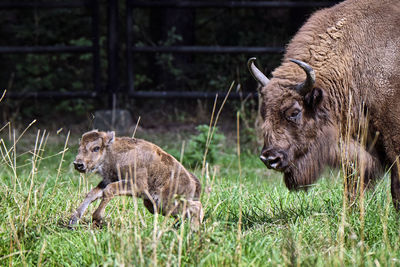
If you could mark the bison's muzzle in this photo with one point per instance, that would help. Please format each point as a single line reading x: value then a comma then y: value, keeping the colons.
x: 274, y: 159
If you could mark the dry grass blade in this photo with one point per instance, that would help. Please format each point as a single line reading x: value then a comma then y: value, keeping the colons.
x: 210, y: 136
x: 15, y: 234
x: 4, y: 93
x: 7, y: 124
x: 61, y: 161
x: 20, y: 136
x: 136, y: 126
x: 239, y: 226
x: 34, y: 169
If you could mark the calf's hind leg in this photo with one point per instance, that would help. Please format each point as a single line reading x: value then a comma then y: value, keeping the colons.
x: 190, y: 209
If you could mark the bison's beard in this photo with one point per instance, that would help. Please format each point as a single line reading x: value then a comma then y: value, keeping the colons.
x: 306, y: 168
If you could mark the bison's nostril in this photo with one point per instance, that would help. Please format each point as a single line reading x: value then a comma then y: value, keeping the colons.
x: 263, y: 158
x: 273, y: 159
x: 79, y: 166
x: 274, y: 162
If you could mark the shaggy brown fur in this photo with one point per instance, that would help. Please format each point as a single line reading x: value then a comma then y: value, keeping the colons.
x: 138, y: 168
x: 354, y: 49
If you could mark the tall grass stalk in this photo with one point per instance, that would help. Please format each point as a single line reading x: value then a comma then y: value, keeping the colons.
x: 239, y: 225
x: 136, y: 126
x: 61, y: 162
x: 35, y: 162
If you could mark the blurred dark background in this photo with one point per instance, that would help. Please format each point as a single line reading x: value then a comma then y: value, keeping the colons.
x: 62, y: 60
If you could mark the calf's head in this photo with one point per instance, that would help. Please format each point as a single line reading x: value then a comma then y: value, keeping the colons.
x: 292, y: 113
x: 92, y: 150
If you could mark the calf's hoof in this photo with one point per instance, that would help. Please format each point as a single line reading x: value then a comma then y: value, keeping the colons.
x: 97, y: 224
x: 195, y: 225
x: 74, y: 219
x: 97, y: 221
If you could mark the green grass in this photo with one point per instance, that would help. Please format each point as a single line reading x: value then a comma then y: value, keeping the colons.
x: 251, y: 219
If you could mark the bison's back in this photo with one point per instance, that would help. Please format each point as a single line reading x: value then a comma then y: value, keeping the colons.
x: 353, y: 48
x: 161, y: 163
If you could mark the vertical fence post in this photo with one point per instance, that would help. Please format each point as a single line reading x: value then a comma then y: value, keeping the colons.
x: 112, y: 83
x: 129, y: 21
x: 96, y: 46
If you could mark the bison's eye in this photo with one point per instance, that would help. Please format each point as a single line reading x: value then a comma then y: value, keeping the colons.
x: 293, y: 112
x: 96, y: 149
x: 293, y: 115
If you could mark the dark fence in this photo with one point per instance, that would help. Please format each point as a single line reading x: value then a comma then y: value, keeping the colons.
x: 131, y: 4
x: 93, y: 5
x: 112, y: 86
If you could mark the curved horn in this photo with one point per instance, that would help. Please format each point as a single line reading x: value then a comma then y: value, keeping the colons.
x: 306, y: 86
x: 256, y: 73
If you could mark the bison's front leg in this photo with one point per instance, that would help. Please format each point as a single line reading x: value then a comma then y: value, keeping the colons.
x: 395, y: 185
x: 362, y: 169
x: 94, y: 194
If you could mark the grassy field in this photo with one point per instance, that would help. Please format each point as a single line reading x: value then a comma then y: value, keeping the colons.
x: 250, y: 217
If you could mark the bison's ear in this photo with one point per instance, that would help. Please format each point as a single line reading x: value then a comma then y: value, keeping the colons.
x: 314, y: 98
x: 109, y: 139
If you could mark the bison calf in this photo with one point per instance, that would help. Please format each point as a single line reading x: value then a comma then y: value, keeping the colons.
x: 135, y: 167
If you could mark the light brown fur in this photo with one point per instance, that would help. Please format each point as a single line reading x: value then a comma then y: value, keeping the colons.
x: 135, y: 167
x: 353, y: 48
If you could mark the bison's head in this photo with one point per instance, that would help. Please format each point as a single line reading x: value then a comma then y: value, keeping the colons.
x: 292, y: 113
x: 92, y: 150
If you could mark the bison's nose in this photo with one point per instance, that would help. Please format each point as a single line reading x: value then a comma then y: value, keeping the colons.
x: 79, y: 166
x: 274, y: 159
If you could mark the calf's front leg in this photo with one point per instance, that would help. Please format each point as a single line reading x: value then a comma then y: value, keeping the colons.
x: 129, y: 187
x: 120, y: 188
x: 94, y: 194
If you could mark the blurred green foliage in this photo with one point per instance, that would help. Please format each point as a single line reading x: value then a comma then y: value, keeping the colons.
x: 208, y: 141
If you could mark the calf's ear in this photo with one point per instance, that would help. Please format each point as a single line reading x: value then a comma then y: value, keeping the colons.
x: 109, y: 139
x: 314, y: 98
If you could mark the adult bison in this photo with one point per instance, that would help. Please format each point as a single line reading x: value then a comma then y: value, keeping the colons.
x: 340, y: 75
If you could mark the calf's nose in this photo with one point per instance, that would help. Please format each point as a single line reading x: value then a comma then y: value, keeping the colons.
x: 79, y: 165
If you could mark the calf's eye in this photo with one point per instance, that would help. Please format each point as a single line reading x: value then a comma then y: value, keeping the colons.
x: 96, y: 149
